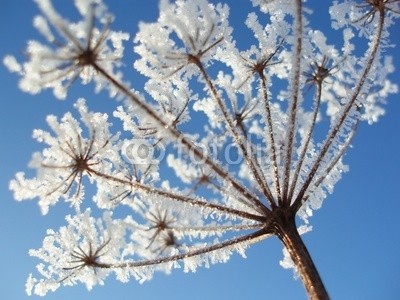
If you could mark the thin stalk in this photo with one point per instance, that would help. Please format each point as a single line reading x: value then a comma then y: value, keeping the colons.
x: 248, y: 238
x: 333, y: 163
x: 270, y: 135
x: 221, y: 228
x: 341, y: 120
x: 295, y: 100
x: 317, y: 103
x: 250, y: 158
x: 178, y: 197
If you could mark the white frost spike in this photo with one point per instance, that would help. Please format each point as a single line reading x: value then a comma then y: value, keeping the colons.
x: 43, y: 27
x: 12, y: 65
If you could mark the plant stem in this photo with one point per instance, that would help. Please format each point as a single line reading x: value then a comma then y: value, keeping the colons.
x: 286, y: 231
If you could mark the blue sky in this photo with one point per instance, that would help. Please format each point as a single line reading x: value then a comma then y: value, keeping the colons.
x: 355, y: 242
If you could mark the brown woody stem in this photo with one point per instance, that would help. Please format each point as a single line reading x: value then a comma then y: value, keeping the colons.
x: 285, y: 229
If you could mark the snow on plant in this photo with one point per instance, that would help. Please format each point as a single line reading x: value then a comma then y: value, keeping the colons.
x: 258, y: 164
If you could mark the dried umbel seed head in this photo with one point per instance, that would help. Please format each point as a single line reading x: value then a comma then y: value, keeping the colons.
x: 89, y: 258
x: 320, y: 71
x: 377, y: 6
x: 208, y: 99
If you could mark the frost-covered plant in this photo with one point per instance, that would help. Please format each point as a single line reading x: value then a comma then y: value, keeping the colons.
x: 240, y: 128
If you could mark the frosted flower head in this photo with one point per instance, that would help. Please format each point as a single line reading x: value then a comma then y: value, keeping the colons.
x: 370, y: 8
x: 73, y: 50
x: 364, y: 15
x: 68, y: 158
x: 320, y: 70
x: 161, y: 230
x: 187, y: 33
x: 256, y: 63
x: 78, y: 252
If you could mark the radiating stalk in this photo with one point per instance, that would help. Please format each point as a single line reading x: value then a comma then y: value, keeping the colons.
x: 270, y: 135
x: 179, y: 197
x: 293, y: 110
x: 249, y: 157
x: 317, y: 103
x: 350, y: 104
x: 248, y: 238
x: 330, y: 167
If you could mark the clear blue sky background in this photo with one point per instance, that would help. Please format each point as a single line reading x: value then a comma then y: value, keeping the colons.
x: 356, y: 238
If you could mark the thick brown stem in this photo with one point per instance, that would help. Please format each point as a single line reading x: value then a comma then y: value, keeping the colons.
x: 287, y: 232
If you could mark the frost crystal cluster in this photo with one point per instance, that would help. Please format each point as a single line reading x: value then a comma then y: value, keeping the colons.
x: 255, y: 137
